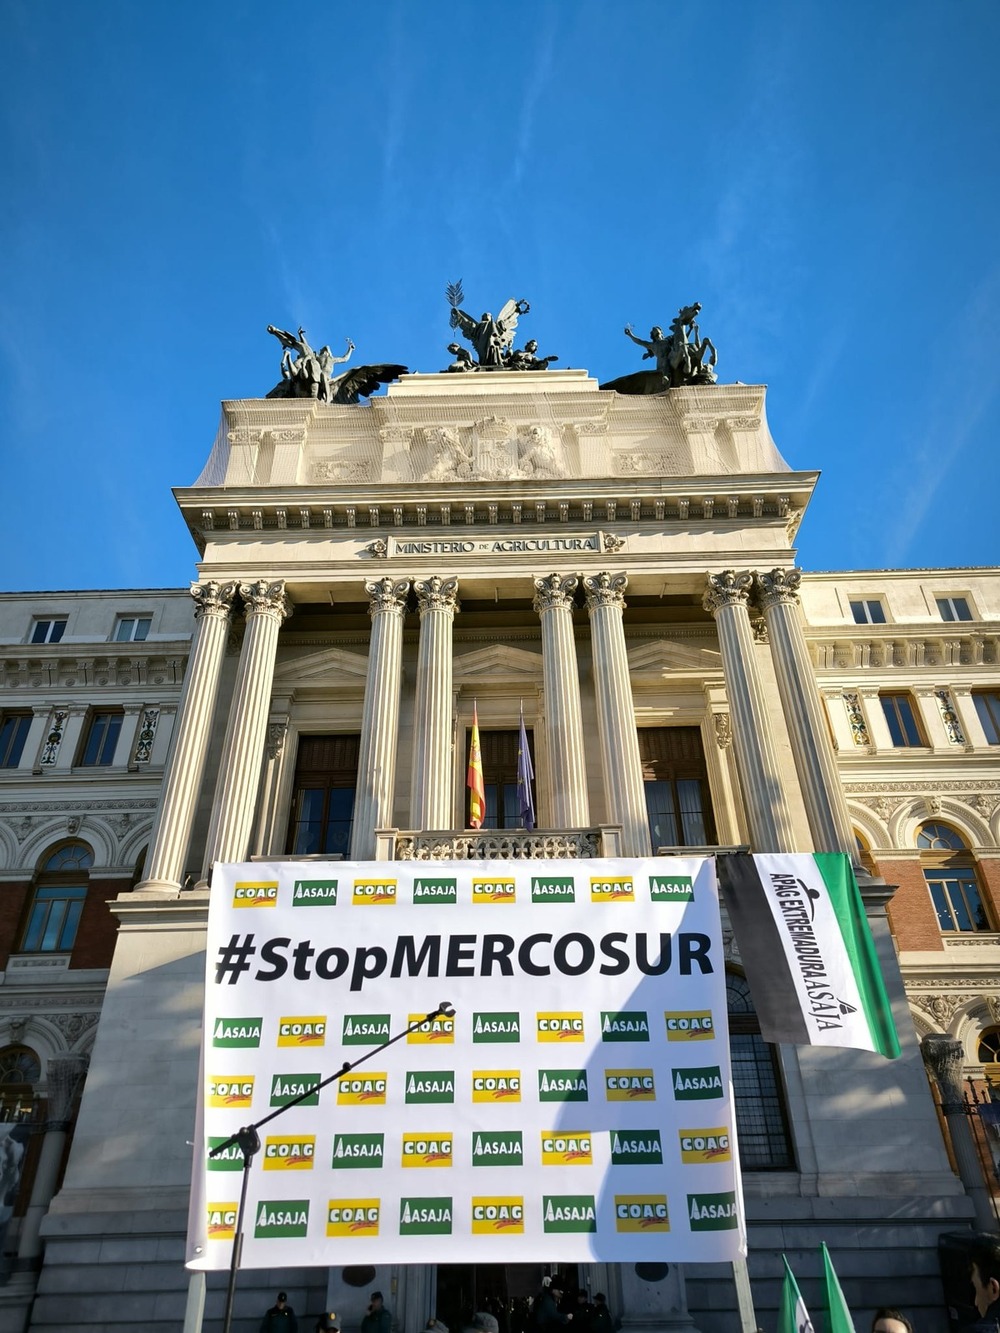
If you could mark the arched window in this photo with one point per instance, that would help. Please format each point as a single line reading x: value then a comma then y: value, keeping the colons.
x: 950, y: 871
x: 761, y: 1118
x: 20, y: 1071
x: 989, y: 1046
x: 57, y: 903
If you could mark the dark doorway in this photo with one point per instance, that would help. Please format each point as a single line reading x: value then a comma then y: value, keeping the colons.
x: 503, y: 1290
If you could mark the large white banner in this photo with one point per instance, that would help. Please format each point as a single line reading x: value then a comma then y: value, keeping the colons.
x: 578, y: 1106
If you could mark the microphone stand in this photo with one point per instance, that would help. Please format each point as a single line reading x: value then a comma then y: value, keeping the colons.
x: 247, y: 1140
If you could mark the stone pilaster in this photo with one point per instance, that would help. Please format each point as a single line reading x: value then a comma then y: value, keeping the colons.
x: 622, y: 769
x: 826, y: 808
x: 945, y: 1060
x: 727, y: 600
x: 186, y: 762
x: 431, y: 792
x: 564, y: 746
x: 380, y: 716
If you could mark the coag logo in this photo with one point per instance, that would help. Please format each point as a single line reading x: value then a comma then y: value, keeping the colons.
x: 568, y: 1212
x: 314, y: 893
x: 559, y: 1026
x: 362, y: 1090
x: 427, y: 1086
x: 498, y: 1216
x: 425, y: 1217
x: 568, y: 1148
x: 636, y: 1147
x: 426, y: 1150
x: 364, y: 1029
x: 671, y: 888
x: 496, y: 1085
x: 435, y: 891
x: 247, y: 893
x: 497, y: 1148
x: 237, y: 1033
x: 641, y: 1212
x: 617, y: 890
x: 302, y: 1030
x: 235, y: 1090
x: 562, y: 1085
x: 281, y: 1218
x: 289, y: 1152
x: 230, y: 1160
x: 632, y: 1025
x: 696, y: 1085
x: 222, y: 1221
x: 493, y: 891
x: 629, y: 1085
x: 374, y: 892
x: 496, y: 1027
x: 705, y: 1145
x: 549, y: 890
x: 357, y: 1150
x: 353, y: 1217
x: 440, y: 1031
x: 286, y: 1088
x: 695, y: 1025
x: 713, y: 1212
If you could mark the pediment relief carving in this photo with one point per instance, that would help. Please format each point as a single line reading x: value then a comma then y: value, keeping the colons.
x: 497, y: 661
x: 662, y: 656
x: 328, y: 666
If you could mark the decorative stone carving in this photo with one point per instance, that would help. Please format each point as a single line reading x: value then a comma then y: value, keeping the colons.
x: 73, y: 825
x: 387, y: 594
x: 341, y: 469
x: 494, y: 846
x: 452, y: 460
x: 436, y: 594
x: 780, y: 585
x: 146, y: 735
x: 64, y: 1077
x: 949, y: 717
x: 73, y: 1026
x: 554, y: 590
x: 275, y: 742
x: 265, y: 599
x: 612, y: 543
x: 723, y: 730
x: 727, y: 589
x: 212, y: 599
x: 605, y: 589
x: 17, y: 1027
x: 856, y: 717
x: 53, y: 739
x: 541, y: 457
x: 643, y: 462
x: 378, y: 549
x: 759, y: 628
x: 944, y: 1058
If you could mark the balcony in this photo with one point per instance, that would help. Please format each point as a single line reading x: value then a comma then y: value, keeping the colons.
x: 497, y: 844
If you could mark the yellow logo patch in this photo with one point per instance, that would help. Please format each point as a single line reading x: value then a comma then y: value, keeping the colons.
x: 616, y: 889
x: 705, y: 1145
x: 254, y: 893
x: 353, y: 1217
x: 567, y: 1147
x: 641, y: 1212
x: 374, y: 892
x: 559, y: 1027
x: 494, y: 891
x: 439, y: 1032
x: 496, y: 1215
x: 302, y: 1030
x: 629, y: 1085
x: 496, y: 1085
x: 427, y: 1149
x: 689, y: 1025
x: 289, y: 1152
x: 234, y: 1090
x: 362, y: 1090
x: 222, y: 1221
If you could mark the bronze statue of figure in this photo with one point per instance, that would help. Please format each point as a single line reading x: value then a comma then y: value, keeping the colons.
x: 308, y: 373
x: 680, y: 354
x: 526, y: 358
x: 491, y: 338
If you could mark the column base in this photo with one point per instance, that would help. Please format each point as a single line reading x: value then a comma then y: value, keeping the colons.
x: 156, y: 888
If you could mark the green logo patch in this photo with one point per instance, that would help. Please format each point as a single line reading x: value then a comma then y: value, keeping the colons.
x: 568, y: 1212
x: 496, y: 1027
x: 636, y: 1147
x: 357, y: 1150
x: 424, y: 1086
x: 671, y: 888
x: 630, y: 1025
x: 281, y: 1218
x: 697, y: 1085
x: 365, y: 1029
x: 237, y: 1033
x: 425, y: 1217
x: 230, y: 1160
x: 562, y: 1085
x: 286, y: 1087
x: 713, y: 1212
x: 314, y: 893
x: 550, y: 890
x: 497, y: 1148
x: 435, y: 891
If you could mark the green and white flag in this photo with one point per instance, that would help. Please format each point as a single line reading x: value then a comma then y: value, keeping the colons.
x: 838, y: 1316
x: 793, y: 1317
x: 807, y: 951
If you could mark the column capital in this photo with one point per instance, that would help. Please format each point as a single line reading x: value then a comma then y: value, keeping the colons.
x: 213, y: 599
x: 386, y: 594
x: 945, y: 1057
x: 436, y: 594
x: 779, y: 587
x: 605, y: 590
x: 554, y: 590
x: 265, y: 599
x: 727, y: 589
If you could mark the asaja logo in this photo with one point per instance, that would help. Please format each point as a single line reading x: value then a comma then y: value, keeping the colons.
x: 545, y: 890
x: 426, y: 1150
x: 362, y: 1090
x: 230, y: 1160
x: 314, y: 893
x: 697, y: 1085
x: 705, y: 1145
x: 629, y: 1085
x: 302, y: 1030
x: 693, y: 1025
x: 559, y: 1026
x: 569, y: 1148
x: 353, y: 1217
x: 357, y: 1150
x: 497, y: 1148
x: 498, y: 1216
x: 249, y: 893
x: 568, y: 1212
x: 636, y: 1147
x: 496, y: 1085
x: 427, y: 1086
x: 493, y: 891
x: 222, y: 1221
x: 438, y: 1032
x: 631, y: 1025
x: 618, y: 890
x: 237, y: 1033
x: 435, y: 891
x: 289, y: 1152
x: 671, y: 888
x: 713, y: 1212
x: 364, y: 1029
x: 562, y: 1085
x: 234, y: 1090
x: 286, y: 1087
x: 374, y: 892
x: 281, y: 1218
x: 425, y: 1217
x: 496, y: 1027
x: 641, y: 1212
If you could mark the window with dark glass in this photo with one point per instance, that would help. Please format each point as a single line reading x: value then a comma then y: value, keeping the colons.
x: 101, y: 740
x: 761, y: 1116
x: 676, y: 783
x: 901, y: 718
x: 950, y: 873
x: 988, y: 707
x: 499, y: 750
x: 868, y: 611
x: 13, y: 734
x: 326, y: 776
x: 58, y: 899
x: 48, y: 631
x: 954, y: 608
x: 132, y: 629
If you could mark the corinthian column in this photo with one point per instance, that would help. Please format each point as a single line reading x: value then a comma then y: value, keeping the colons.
x: 829, y: 821
x: 763, y: 796
x: 431, y: 790
x: 380, y: 718
x: 563, y: 720
x: 186, y: 763
x: 616, y: 712
x: 265, y: 607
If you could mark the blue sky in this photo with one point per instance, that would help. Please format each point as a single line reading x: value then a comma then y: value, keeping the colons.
x: 177, y: 175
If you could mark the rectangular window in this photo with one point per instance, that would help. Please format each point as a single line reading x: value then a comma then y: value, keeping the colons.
x: 326, y: 775
x: 955, y: 895
x: 988, y: 707
x: 499, y: 751
x: 954, y: 608
x: 676, y: 783
x: 13, y: 734
x: 48, y: 631
x: 902, y: 720
x: 132, y: 629
x: 869, y: 611
x: 55, y: 916
x: 102, y: 738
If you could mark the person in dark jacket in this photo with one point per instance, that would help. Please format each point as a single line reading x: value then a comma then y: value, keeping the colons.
x: 984, y: 1272
x: 545, y: 1313
x: 600, y: 1317
x: 280, y: 1318
x: 378, y: 1319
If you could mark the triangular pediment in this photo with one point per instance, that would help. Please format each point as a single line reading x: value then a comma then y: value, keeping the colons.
x: 326, y: 666
x: 665, y: 656
x: 495, y: 661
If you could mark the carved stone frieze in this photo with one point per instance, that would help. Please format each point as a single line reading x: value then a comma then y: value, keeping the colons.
x: 73, y: 1026
x: 146, y: 735
x: 906, y: 788
x: 60, y: 807
x: 643, y: 463
x: 53, y: 737
x: 342, y: 470
x: 949, y: 717
x: 723, y: 730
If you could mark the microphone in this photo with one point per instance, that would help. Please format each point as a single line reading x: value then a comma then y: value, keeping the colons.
x: 446, y: 1009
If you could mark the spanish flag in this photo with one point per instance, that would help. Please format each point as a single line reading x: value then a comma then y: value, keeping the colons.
x: 474, y: 777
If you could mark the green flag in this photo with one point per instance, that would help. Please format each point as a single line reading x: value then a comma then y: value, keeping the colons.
x: 838, y: 1316
x: 794, y: 1317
